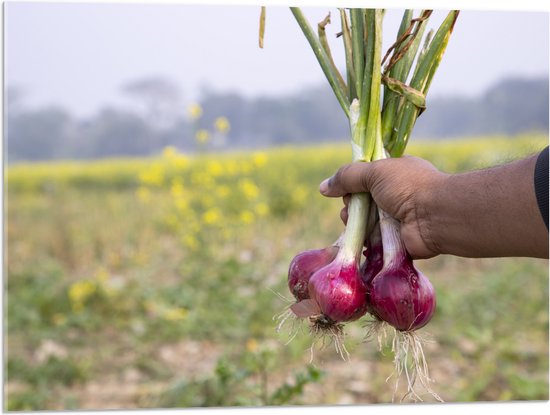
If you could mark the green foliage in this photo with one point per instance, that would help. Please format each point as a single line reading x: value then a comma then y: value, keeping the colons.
x: 41, y: 380
x: 494, y: 315
x: 287, y: 391
x: 32, y: 400
x: 53, y: 370
x: 245, y: 383
x: 35, y: 297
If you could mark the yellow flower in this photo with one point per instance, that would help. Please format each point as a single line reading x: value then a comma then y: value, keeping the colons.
x: 180, y: 161
x: 259, y: 159
x: 221, y: 124
x: 169, y: 152
x: 153, y: 176
x: 177, y: 190
x: 247, y: 217
x: 202, y: 136
x: 262, y: 209
x: 190, y: 242
x: 214, y: 168
x: 175, y: 314
x: 232, y: 167
x: 79, y: 292
x: 249, y: 189
x: 182, y: 205
x: 194, y: 111
x: 212, y: 216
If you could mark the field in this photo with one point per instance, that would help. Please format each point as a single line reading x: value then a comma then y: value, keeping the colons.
x: 154, y: 282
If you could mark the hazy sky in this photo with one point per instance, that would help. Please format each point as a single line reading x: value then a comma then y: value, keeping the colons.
x: 79, y: 55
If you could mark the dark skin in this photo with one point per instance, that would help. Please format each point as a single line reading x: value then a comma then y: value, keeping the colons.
x: 479, y: 214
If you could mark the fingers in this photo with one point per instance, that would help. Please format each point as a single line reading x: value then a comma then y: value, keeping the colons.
x: 351, y: 178
x: 396, y: 186
x: 344, y: 211
x: 365, y: 176
x: 344, y: 215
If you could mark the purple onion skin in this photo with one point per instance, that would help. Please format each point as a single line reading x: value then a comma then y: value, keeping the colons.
x: 373, y: 264
x: 338, y: 290
x: 374, y: 256
x: 304, y: 265
x: 371, y: 267
x: 402, y: 296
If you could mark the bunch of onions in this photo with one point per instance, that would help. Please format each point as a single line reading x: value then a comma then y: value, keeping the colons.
x: 387, y: 285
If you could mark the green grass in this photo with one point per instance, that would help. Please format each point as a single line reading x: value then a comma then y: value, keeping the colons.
x: 124, y: 293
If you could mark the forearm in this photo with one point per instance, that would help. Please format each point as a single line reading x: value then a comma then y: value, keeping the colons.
x: 486, y: 213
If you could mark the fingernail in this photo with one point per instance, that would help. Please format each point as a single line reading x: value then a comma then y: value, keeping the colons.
x: 323, y: 187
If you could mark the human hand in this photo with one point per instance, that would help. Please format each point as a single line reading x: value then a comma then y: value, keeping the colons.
x: 401, y: 187
x: 484, y: 213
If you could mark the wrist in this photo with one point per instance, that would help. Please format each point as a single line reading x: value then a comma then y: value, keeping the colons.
x: 484, y: 213
x: 431, y: 213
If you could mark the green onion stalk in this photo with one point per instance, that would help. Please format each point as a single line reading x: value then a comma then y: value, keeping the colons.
x: 379, y: 128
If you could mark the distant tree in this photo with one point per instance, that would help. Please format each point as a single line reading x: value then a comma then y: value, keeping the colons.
x: 447, y: 117
x: 37, y: 135
x: 161, y: 98
x: 309, y: 115
x: 511, y: 106
x: 320, y: 114
x: 116, y: 133
x: 180, y: 136
x: 515, y: 105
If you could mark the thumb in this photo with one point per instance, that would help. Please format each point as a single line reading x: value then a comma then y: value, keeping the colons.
x: 356, y: 177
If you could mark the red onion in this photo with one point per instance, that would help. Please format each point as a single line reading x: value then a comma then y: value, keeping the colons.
x: 400, y: 294
x: 374, y: 256
x: 339, y: 291
x: 304, y: 265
